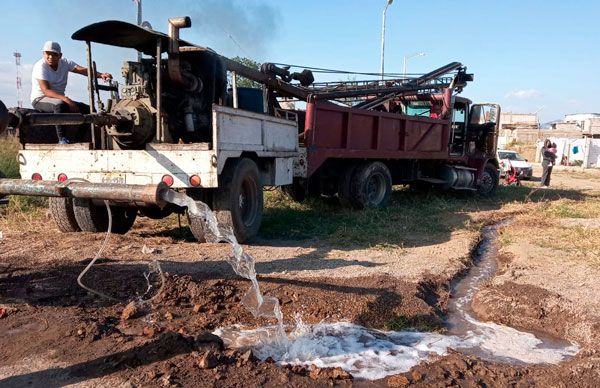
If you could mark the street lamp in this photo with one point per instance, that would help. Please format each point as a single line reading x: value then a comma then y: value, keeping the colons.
x: 406, y: 58
x: 389, y: 2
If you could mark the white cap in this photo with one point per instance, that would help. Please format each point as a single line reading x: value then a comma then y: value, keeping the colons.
x: 52, y: 47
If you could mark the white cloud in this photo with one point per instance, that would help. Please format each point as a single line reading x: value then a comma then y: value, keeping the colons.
x: 524, y: 93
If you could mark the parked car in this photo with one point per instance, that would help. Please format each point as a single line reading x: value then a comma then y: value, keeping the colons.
x: 511, y: 159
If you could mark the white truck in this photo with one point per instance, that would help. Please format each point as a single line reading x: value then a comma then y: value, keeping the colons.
x: 170, y: 128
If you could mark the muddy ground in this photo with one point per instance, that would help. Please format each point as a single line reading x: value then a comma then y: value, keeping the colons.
x: 54, y: 333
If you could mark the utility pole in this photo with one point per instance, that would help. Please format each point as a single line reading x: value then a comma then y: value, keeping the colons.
x: 389, y: 2
x: 17, y: 56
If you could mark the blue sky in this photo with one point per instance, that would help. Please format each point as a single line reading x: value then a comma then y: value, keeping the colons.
x: 526, y: 55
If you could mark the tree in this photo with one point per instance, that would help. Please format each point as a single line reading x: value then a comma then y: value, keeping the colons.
x: 245, y: 82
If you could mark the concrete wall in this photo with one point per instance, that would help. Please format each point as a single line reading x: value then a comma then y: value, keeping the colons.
x: 574, y: 151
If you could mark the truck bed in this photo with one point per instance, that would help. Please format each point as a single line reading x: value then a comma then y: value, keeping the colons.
x: 338, y: 132
x: 235, y: 132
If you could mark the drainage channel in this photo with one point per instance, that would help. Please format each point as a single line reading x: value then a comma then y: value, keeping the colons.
x: 488, y: 340
x: 373, y: 354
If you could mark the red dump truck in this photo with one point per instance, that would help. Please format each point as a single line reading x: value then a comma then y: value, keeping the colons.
x: 181, y: 123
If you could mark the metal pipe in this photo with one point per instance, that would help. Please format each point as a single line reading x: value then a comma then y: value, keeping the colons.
x: 234, y: 89
x: 174, y: 67
x: 69, y: 119
x: 436, y: 73
x: 148, y: 194
x: 139, y: 23
x: 90, y: 71
x: 159, y: 129
x: 374, y: 90
x: 256, y: 75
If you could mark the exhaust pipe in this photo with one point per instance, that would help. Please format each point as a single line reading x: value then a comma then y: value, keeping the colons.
x: 173, y: 64
x: 147, y: 194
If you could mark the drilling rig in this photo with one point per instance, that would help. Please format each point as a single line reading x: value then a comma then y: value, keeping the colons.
x: 175, y: 123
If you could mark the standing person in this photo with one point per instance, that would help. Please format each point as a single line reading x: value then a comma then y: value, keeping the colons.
x: 548, y: 161
x: 49, y: 81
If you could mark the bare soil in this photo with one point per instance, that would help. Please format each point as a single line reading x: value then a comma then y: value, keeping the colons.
x: 54, y: 333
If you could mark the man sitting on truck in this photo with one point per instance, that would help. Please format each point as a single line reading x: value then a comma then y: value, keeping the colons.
x: 48, y: 84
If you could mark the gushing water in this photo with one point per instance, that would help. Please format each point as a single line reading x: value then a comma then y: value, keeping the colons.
x: 241, y: 262
x: 374, y: 354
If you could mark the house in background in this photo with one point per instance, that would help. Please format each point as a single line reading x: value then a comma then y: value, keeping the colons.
x: 518, y: 128
x: 577, y: 138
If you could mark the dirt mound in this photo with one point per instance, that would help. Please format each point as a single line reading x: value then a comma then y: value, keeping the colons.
x: 458, y: 370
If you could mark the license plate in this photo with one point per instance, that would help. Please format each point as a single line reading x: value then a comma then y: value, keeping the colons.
x: 113, y: 178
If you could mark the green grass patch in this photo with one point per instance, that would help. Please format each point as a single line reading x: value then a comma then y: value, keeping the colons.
x: 413, y: 217
x: 409, y: 214
x: 9, y: 147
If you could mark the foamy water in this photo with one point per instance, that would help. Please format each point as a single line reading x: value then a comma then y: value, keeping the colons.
x: 372, y: 354
x: 366, y: 354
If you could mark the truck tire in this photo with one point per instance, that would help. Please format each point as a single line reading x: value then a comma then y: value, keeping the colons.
x: 61, y: 210
x: 371, y: 186
x: 93, y: 218
x: 489, y: 181
x: 238, y: 201
x: 344, y: 187
x: 196, y: 224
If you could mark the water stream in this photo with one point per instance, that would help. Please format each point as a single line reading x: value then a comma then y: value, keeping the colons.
x: 373, y: 354
x: 241, y: 262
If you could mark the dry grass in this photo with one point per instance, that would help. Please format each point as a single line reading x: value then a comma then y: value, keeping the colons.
x: 21, y: 213
x: 24, y: 214
x: 590, y: 175
x: 542, y: 226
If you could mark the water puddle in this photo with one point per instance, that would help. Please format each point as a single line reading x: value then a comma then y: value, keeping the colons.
x: 373, y: 354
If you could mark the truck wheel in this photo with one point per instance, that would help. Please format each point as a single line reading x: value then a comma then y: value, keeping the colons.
x: 371, y: 186
x: 196, y: 224
x: 489, y: 181
x: 344, y: 187
x: 238, y: 202
x: 61, y: 210
x: 93, y: 218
